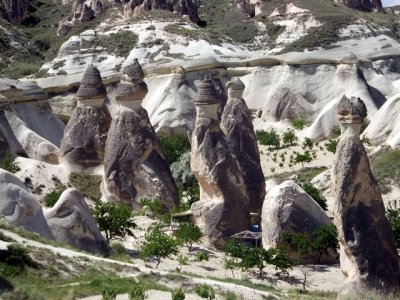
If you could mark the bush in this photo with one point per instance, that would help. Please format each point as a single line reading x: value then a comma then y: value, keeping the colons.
x: 299, y: 241
x: 269, y: 138
x: 393, y: 215
x: 313, y: 192
x: 332, y: 145
x: 87, y: 184
x: 153, y: 205
x: 114, y: 219
x: 205, y: 291
x: 302, y: 158
x: 15, y: 260
x: 137, y: 293
x: 159, y: 245
x: 109, y: 293
x: 336, y: 131
x: 51, y: 198
x: 178, y: 295
x: 173, y: 146
x: 308, y: 143
x: 119, y: 249
x: 299, y: 123
x: 289, y: 137
x: 7, y: 163
x: 202, y: 256
x: 325, y: 239
x: 189, y: 233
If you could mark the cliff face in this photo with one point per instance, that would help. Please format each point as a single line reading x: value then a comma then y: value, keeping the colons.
x: 15, y: 11
x: 364, y: 5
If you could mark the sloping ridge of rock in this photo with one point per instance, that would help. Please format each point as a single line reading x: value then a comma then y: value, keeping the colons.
x: 71, y: 222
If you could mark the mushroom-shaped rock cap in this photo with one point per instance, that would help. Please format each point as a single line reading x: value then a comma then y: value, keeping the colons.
x: 206, y: 94
x: 133, y: 72
x: 91, y: 85
x: 128, y: 91
x: 352, y: 110
x: 235, y: 84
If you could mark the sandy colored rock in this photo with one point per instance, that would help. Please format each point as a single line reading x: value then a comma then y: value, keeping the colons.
x: 368, y: 255
x: 71, y: 222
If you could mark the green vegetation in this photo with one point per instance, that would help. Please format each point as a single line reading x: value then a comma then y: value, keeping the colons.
x: 119, y: 252
x: 178, y: 295
x: 114, y: 219
x: 176, y: 28
x: 269, y: 138
x: 153, y: 205
x: 202, y: 256
x: 331, y: 145
x: 109, y: 293
x: 137, y: 293
x: 393, y: 215
x: 289, y: 137
x: 7, y: 163
x: 188, y: 233
x: 173, y: 146
x: 205, y: 291
x: 302, y: 158
x: 158, y: 245
x: 87, y: 184
x: 15, y: 260
x: 299, y: 123
x: 386, y: 168
x: 312, y: 191
x: 51, y: 198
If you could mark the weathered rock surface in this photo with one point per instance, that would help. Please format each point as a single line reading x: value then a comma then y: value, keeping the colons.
x: 288, y: 208
x: 19, y: 207
x: 134, y: 164
x: 223, y: 207
x: 368, y: 255
x: 16, y: 11
x: 71, y: 222
x: 236, y: 124
x: 364, y: 5
x: 85, y: 135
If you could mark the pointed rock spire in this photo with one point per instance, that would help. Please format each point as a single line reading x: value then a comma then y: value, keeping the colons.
x: 92, y: 86
x: 132, y: 87
x: 235, y: 88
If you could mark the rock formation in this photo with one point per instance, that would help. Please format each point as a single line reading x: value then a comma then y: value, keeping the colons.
x: 134, y: 165
x: 86, y: 132
x: 223, y: 207
x: 19, y: 207
x: 238, y: 128
x: 364, y: 5
x: 71, y: 223
x: 288, y: 208
x: 15, y: 11
x: 368, y: 255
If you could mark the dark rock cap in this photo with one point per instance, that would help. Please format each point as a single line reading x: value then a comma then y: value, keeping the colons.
x: 134, y: 71
x: 132, y: 86
x: 206, y: 94
x: 352, y: 110
x: 91, y: 85
x: 235, y: 84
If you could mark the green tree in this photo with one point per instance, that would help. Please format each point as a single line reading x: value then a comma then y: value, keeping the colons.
x: 173, y: 146
x: 178, y: 295
x: 325, y: 239
x: 299, y: 123
x: 300, y: 241
x: 7, y: 163
x: 202, y: 256
x: 331, y: 146
x: 159, y: 245
x: 188, y: 234
x: 114, y: 219
x: 302, y: 158
x: 269, y: 138
x: 393, y: 215
x: 289, y: 137
x: 153, y: 205
x: 313, y: 192
x: 308, y: 143
x: 109, y: 293
x: 256, y: 258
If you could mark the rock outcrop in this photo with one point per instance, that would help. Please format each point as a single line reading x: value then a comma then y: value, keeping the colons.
x: 134, y: 164
x: 368, y: 255
x: 19, y: 207
x: 238, y: 128
x: 363, y: 5
x: 85, y: 135
x: 288, y: 208
x: 71, y: 222
x: 15, y: 11
x: 223, y: 207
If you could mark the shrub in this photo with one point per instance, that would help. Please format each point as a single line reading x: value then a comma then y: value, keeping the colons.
x: 119, y: 249
x: 302, y: 158
x: 393, y: 215
x: 202, y: 256
x: 289, y: 137
x: 308, y: 143
x: 51, y: 198
x: 137, y: 293
x: 159, y: 245
x: 205, y: 291
x: 183, y: 260
x: 325, y: 239
x: 331, y: 145
x: 7, y: 163
x: 336, y: 131
x: 269, y: 138
x: 189, y: 233
x: 173, y: 146
x: 299, y: 123
x: 114, y: 219
x: 153, y: 205
x: 178, y: 295
x: 15, y: 260
x: 299, y: 241
x: 109, y: 293
x: 313, y: 192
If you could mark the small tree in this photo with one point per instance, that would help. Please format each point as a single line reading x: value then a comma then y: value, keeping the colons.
x: 289, y: 137
x: 256, y: 258
x: 306, y: 272
x: 205, y: 291
x: 336, y: 131
x: 325, y: 239
x: 302, y: 158
x: 51, y: 198
x: 109, y: 293
x: 299, y: 123
x: 300, y: 241
x: 188, y: 234
x: 269, y: 138
x: 308, y: 143
x: 114, y: 219
x: 313, y: 192
x: 183, y: 261
x: 280, y: 261
x: 202, y: 256
x: 331, y: 146
x: 159, y: 245
x: 393, y: 215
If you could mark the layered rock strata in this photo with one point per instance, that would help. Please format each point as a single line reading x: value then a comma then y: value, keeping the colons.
x: 368, y: 255
x: 134, y: 164
x: 223, y: 207
x: 238, y: 128
x: 85, y: 135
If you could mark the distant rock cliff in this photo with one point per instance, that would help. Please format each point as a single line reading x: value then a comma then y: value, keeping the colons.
x: 364, y: 5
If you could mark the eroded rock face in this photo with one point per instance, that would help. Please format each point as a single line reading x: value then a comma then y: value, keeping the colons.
x: 368, y: 255
x: 19, y: 207
x: 288, y: 208
x: 223, y: 207
x: 71, y: 222
x: 134, y: 164
x: 364, y: 5
x: 16, y: 11
x: 85, y: 135
x: 238, y: 128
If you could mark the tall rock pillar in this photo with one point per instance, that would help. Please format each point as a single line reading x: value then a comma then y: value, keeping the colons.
x: 223, y: 207
x: 368, y: 255
x: 134, y: 165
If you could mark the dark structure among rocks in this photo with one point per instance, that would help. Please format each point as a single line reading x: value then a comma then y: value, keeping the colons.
x: 15, y: 11
x: 86, y: 132
x: 363, y: 5
x: 368, y: 255
x: 134, y: 164
x: 238, y: 128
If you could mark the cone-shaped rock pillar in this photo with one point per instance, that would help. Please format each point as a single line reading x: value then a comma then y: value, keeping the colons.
x: 134, y: 164
x: 368, y: 256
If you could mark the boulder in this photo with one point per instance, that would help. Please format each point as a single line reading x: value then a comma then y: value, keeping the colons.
x: 223, y: 207
x: 71, y: 222
x: 19, y: 207
x: 85, y: 135
x: 134, y: 164
x: 368, y: 256
x: 236, y: 124
x: 288, y: 208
